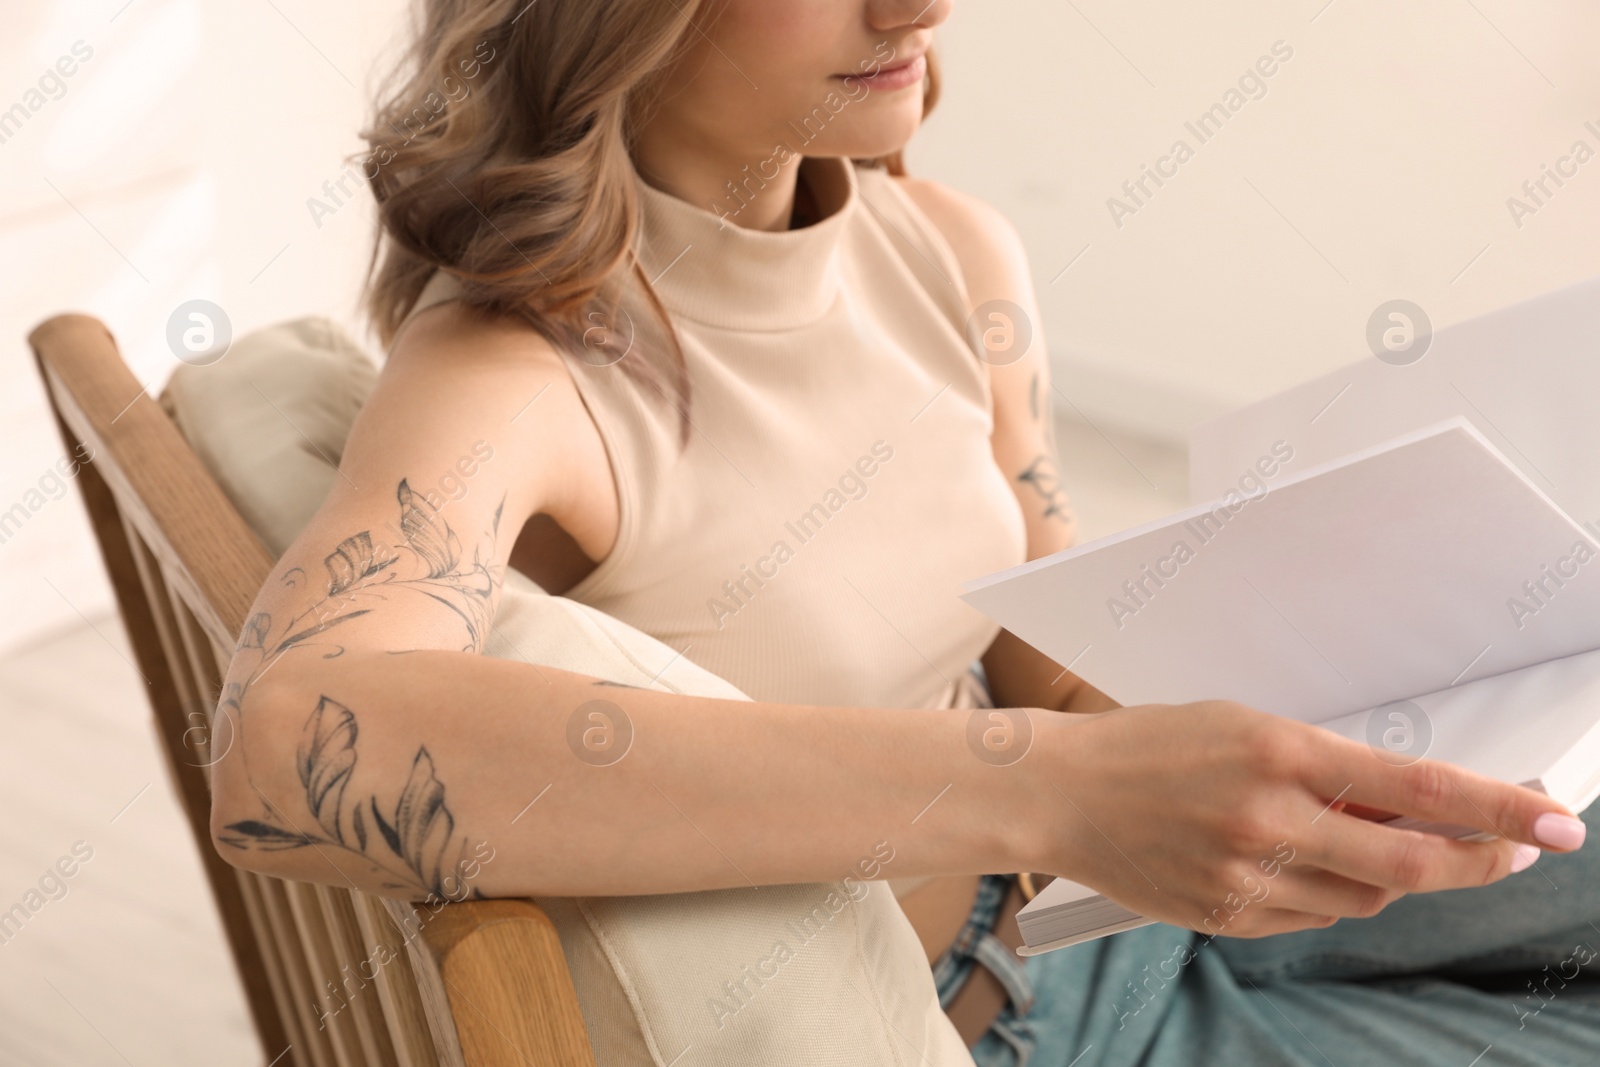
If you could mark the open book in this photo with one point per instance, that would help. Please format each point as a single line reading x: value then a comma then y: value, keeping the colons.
x: 1421, y: 594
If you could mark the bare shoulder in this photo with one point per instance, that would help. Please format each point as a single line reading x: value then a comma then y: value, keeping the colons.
x: 456, y: 370
x: 986, y: 245
x: 454, y: 337
x: 457, y: 378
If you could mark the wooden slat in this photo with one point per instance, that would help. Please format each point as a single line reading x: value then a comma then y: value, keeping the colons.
x: 206, y: 661
x: 193, y: 684
x: 304, y: 988
x: 317, y: 941
x: 175, y: 715
x: 365, y: 1008
x: 298, y: 1049
x: 397, y: 985
x: 160, y: 601
x: 205, y: 675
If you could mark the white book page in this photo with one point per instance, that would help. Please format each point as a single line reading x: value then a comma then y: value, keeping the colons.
x: 1344, y: 587
x: 1517, y: 727
x: 1058, y: 893
x: 1087, y: 935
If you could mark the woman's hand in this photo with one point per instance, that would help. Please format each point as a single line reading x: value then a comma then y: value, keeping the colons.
x: 1227, y: 820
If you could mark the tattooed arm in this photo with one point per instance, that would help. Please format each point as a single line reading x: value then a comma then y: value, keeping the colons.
x: 363, y: 740
x: 994, y: 265
x: 408, y: 552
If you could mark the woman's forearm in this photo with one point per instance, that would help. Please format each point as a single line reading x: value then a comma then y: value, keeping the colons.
x: 410, y: 773
x: 449, y: 773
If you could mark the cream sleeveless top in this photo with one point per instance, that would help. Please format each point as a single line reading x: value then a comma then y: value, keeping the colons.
x: 809, y: 542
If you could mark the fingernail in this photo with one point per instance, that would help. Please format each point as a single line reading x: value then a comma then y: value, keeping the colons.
x: 1526, y: 854
x: 1559, y: 831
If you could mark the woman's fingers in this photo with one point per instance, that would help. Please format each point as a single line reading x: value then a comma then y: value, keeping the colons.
x: 1407, y: 861
x: 1444, y: 793
x: 1316, y: 892
x: 1298, y: 897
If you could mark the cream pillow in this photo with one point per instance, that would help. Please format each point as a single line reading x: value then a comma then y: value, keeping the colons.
x: 796, y: 975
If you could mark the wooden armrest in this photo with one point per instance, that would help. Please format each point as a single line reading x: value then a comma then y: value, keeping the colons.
x: 206, y: 551
x: 499, y: 966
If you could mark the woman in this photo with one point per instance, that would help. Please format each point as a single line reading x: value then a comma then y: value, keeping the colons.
x: 675, y: 355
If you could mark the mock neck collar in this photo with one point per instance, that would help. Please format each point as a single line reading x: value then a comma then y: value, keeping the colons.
x: 716, y: 272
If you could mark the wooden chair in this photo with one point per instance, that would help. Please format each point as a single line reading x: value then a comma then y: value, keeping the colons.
x: 475, y: 983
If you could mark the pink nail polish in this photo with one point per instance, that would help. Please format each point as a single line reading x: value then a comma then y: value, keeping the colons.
x: 1559, y: 831
x: 1526, y: 854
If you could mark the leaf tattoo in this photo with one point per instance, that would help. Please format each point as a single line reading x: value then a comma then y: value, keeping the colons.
x: 320, y: 628
x: 326, y: 756
x: 422, y: 822
x: 1042, y: 476
x: 268, y: 838
x: 414, y: 840
x: 359, y: 565
x: 390, y: 837
x: 429, y: 537
x: 255, y: 631
x: 353, y: 561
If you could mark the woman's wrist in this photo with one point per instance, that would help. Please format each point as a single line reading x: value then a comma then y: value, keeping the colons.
x: 1031, y: 755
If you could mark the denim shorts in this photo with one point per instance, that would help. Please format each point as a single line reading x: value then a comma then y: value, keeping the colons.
x: 976, y: 944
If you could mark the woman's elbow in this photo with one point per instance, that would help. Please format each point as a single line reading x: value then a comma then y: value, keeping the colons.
x: 250, y: 755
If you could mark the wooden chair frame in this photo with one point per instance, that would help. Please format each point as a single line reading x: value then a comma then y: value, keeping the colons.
x: 333, y: 977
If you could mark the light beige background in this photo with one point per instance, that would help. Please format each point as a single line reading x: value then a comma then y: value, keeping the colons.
x: 180, y: 159
x: 1377, y: 166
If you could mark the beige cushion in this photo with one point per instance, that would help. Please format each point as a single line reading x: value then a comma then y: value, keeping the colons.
x: 779, y: 975
x: 271, y: 418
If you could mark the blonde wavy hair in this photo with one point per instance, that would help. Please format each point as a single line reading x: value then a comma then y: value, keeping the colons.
x: 499, y: 152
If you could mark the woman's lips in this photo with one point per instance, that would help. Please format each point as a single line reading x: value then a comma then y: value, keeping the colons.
x: 888, y: 79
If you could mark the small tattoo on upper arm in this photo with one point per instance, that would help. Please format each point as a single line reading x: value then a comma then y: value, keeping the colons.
x: 1042, y: 476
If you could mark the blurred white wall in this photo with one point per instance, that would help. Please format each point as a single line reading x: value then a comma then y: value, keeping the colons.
x: 177, y: 160
x: 174, y: 163
x: 1377, y: 165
